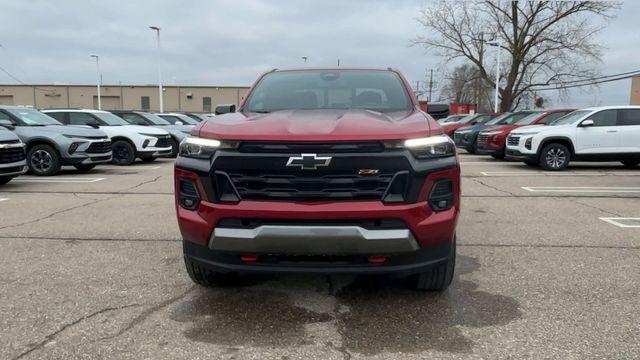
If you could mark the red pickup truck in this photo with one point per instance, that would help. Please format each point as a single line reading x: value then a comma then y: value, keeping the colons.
x: 492, y: 141
x: 324, y: 171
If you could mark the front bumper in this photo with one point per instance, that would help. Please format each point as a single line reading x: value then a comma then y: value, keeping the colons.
x: 517, y: 155
x: 13, y: 169
x: 155, y: 152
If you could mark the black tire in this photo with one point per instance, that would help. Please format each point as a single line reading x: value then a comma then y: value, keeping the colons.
x: 630, y: 163
x: 499, y: 155
x: 148, y: 159
x: 174, y: 148
x: 5, y: 179
x: 207, y: 278
x: 474, y: 147
x: 123, y: 153
x: 554, y: 157
x: 438, y: 278
x: 84, y: 167
x: 43, y: 160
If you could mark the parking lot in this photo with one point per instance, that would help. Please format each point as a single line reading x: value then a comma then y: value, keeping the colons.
x: 548, y: 263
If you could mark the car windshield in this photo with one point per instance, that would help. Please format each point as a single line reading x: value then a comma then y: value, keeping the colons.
x: 375, y: 90
x: 33, y: 117
x: 155, y: 119
x: 529, y: 118
x: 570, y: 118
x: 109, y: 119
x: 498, y: 119
x: 517, y: 117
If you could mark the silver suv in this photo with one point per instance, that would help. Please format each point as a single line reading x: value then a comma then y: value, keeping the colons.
x: 50, y: 145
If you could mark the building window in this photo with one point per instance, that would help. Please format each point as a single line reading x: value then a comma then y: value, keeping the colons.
x: 206, y: 104
x: 144, y: 103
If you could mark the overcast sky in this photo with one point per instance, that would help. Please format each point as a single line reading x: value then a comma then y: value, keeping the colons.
x: 230, y: 42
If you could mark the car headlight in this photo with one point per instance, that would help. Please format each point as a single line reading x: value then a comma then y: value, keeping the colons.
x: 525, y: 133
x: 201, y: 148
x: 431, y: 147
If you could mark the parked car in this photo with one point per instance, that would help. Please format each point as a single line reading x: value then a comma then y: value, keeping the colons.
x: 12, y: 154
x: 178, y: 119
x: 196, y: 117
x: 177, y: 132
x: 49, y: 145
x: 607, y: 133
x: 129, y: 141
x: 492, y: 140
x: 352, y: 184
x: 450, y: 128
x: 452, y: 118
x: 466, y: 137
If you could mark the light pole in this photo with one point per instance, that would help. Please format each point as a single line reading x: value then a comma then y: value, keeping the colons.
x: 157, y: 30
x: 499, y: 46
x: 98, y: 78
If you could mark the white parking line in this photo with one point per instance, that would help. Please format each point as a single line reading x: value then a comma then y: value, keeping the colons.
x: 154, y: 168
x: 57, y: 179
x: 622, y: 222
x: 553, y: 173
x: 582, y: 189
x: 477, y: 163
x: 3, y: 199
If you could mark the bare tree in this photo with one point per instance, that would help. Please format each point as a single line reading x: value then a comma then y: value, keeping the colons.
x: 465, y: 85
x: 545, y: 42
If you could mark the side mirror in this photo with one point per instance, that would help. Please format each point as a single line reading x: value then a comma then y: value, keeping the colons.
x: 587, y: 123
x: 225, y: 109
x: 94, y: 124
x: 7, y: 124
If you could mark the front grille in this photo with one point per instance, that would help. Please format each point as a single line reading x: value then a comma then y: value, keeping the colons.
x: 369, y: 224
x: 163, y: 141
x: 310, y: 147
x: 11, y: 155
x: 482, y: 139
x: 261, y: 185
x: 513, y: 140
x: 99, y: 147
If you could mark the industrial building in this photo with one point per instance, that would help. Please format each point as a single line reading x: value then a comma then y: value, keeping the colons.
x: 202, y: 99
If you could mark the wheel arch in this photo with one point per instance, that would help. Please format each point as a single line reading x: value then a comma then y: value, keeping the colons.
x: 41, y: 141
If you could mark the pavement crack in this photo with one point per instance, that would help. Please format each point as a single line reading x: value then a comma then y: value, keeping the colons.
x: 145, y: 315
x: 335, y: 315
x: 476, y: 180
x: 144, y: 183
x: 48, y: 338
x: 596, y: 207
x: 55, y: 213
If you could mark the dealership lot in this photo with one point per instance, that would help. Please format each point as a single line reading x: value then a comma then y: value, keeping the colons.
x: 548, y: 263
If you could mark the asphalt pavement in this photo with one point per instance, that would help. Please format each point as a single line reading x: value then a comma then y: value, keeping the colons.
x: 548, y: 267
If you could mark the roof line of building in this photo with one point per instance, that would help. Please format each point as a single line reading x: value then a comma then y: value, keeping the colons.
x: 128, y: 85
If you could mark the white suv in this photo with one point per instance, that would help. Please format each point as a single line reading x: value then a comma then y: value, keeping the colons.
x: 608, y: 133
x: 128, y: 141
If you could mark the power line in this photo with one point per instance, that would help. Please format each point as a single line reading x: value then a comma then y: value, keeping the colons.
x: 586, y: 84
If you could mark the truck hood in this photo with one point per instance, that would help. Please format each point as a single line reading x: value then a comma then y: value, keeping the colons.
x: 316, y: 125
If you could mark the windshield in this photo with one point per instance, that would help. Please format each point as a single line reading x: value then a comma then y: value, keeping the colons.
x: 517, y: 117
x: 33, y: 117
x: 498, y: 119
x: 110, y: 119
x: 570, y: 118
x: 334, y: 89
x: 529, y: 118
x: 155, y: 119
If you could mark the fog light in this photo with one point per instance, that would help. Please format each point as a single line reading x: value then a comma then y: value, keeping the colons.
x: 441, y: 197
x: 188, y: 197
x: 527, y: 144
x: 73, y: 147
x: 145, y: 143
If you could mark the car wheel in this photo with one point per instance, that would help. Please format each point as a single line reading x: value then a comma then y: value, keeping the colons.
x: 174, y: 148
x: 207, y: 278
x: 5, y: 179
x: 555, y: 157
x: 84, y: 167
x: 147, y: 159
x: 123, y: 153
x: 440, y: 277
x: 630, y: 163
x: 43, y: 160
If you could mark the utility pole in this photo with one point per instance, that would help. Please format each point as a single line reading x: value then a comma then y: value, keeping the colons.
x: 495, y: 108
x: 160, y: 92
x: 98, y: 78
x: 430, y: 84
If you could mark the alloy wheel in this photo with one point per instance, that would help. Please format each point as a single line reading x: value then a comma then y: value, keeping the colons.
x: 120, y: 152
x: 41, y: 161
x: 556, y: 158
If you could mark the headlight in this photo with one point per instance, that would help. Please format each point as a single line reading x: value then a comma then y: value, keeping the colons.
x: 431, y: 147
x: 491, y: 133
x: 202, y: 148
x: 526, y: 133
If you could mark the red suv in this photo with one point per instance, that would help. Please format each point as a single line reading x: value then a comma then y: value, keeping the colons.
x: 320, y: 171
x: 492, y: 140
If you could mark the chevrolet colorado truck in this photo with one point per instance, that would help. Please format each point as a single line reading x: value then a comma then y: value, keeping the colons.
x: 320, y: 171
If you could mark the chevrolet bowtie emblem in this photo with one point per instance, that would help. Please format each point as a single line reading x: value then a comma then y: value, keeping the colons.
x: 309, y: 161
